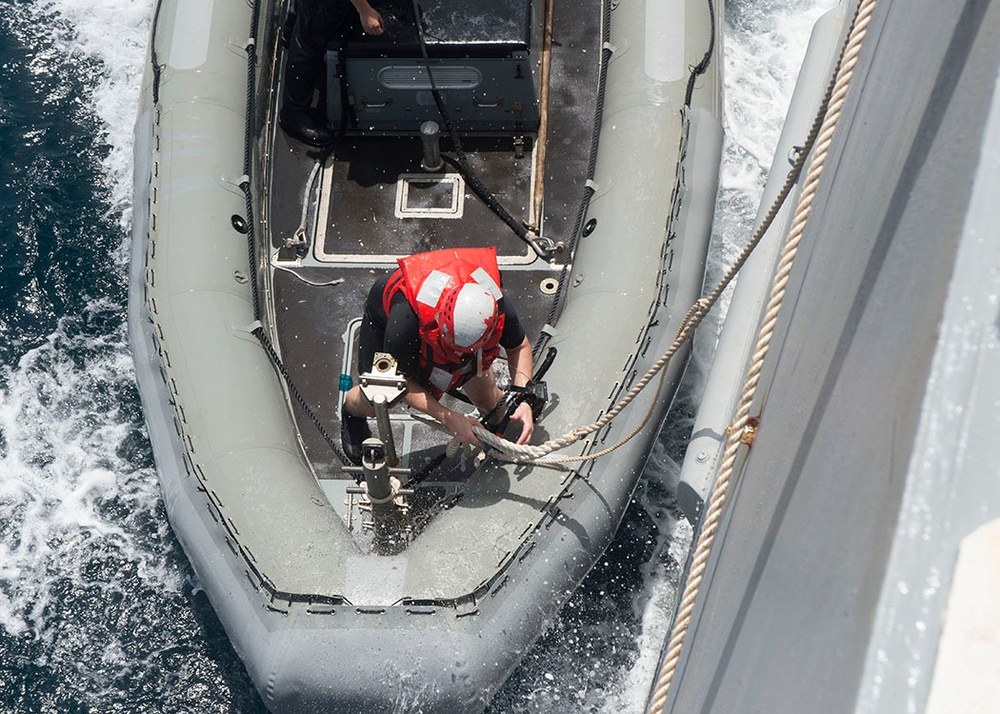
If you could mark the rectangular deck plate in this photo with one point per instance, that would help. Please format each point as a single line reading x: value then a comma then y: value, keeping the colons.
x: 430, y: 196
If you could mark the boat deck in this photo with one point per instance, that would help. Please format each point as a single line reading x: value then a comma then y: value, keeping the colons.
x: 372, y: 202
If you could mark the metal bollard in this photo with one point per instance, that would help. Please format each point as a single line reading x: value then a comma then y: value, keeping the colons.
x: 376, y: 470
x: 430, y: 137
x: 381, y: 405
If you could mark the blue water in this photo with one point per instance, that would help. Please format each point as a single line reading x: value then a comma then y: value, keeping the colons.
x: 99, y: 610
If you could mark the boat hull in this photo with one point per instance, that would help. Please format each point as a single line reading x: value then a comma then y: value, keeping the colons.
x: 319, y: 622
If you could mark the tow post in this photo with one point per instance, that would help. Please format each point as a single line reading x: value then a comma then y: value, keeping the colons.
x: 383, y: 386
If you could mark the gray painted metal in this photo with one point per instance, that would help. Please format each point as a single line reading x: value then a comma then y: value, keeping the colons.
x: 320, y: 624
x: 825, y: 589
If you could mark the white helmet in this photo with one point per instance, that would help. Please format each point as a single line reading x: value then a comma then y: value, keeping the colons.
x: 468, y: 317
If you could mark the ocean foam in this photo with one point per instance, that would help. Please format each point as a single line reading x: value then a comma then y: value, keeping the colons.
x: 114, y: 34
x: 71, y: 486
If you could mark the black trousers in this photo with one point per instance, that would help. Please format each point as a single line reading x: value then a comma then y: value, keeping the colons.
x: 371, y: 337
x: 318, y: 23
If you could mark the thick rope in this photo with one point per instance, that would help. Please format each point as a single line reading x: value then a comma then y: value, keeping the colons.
x: 710, y: 524
x: 694, y: 317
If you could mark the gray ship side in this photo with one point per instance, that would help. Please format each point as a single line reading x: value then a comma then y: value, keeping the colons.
x: 827, y: 588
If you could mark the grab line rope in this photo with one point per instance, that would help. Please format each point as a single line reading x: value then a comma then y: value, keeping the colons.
x: 835, y: 101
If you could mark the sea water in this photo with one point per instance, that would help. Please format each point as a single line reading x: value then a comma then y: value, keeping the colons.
x: 99, y: 610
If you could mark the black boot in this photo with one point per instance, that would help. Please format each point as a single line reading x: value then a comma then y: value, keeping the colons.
x: 353, y: 432
x: 297, y: 117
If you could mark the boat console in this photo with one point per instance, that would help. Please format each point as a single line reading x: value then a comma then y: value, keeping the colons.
x: 482, y: 56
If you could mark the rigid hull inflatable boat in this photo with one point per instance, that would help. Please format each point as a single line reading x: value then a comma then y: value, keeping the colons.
x: 583, y: 143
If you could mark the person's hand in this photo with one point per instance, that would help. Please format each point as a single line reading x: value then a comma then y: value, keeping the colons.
x: 460, y: 426
x: 523, y: 415
x: 371, y: 22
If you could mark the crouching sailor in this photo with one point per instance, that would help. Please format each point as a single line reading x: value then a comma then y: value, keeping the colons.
x: 444, y: 317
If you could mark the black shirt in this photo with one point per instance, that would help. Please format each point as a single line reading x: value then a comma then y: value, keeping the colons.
x: 398, y: 333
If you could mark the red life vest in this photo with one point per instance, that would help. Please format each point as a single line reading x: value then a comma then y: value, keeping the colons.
x: 425, y: 279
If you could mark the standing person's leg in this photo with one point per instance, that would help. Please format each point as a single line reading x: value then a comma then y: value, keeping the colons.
x: 317, y: 23
x: 354, y: 427
x: 371, y: 339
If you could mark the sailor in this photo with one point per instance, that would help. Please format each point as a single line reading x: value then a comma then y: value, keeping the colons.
x: 444, y: 317
x: 317, y: 24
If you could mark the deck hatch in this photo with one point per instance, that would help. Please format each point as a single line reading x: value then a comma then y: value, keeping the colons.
x: 430, y: 196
